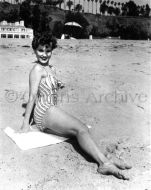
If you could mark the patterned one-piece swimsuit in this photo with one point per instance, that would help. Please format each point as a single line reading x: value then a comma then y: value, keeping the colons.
x: 47, y: 96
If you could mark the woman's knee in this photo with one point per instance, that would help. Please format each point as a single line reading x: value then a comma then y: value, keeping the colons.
x: 82, y: 131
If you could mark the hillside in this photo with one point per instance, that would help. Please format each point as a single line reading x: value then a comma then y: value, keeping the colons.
x: 97, y: 25
x: 118, y: 25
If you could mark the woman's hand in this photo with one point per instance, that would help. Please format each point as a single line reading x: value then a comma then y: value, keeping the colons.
x: 24, y: 128
x: 60, y: 84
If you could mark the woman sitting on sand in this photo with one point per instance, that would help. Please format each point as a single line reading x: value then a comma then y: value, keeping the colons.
x: 43, y: 87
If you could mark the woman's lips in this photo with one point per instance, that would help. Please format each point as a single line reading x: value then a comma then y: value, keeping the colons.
x: 44, y: 59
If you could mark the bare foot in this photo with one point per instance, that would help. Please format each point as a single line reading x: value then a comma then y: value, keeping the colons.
x: 110, y: 169
x: 118, y: 162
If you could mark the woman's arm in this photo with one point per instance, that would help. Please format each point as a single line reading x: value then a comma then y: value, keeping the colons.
x: 34, y: 80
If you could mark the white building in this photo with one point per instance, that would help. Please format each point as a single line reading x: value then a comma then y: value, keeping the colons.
x: 15, y: 30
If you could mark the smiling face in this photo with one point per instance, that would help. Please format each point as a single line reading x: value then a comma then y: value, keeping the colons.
x: 43, y: 54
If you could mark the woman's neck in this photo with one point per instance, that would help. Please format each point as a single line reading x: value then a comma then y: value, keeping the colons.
x: 45, y: 65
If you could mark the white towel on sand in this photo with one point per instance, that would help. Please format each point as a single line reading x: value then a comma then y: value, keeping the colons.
x: 33, y: 139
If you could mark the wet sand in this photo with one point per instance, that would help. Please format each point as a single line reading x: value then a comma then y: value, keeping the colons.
x: 108, y: 87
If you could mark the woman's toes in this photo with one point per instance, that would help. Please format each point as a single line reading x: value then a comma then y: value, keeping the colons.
x: 110, y: 169
x: 118, y: 162
x: 121, y: 176
x: 122, y: 165
x: 127, y: 166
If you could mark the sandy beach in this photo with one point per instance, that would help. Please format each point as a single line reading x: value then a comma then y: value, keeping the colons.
x: 108, y: 87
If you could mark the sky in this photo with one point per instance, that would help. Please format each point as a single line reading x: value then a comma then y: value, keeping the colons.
x: 139, y: 2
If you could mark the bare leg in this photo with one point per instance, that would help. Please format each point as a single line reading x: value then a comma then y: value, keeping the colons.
x: 106, y: 167
x: 64, y: 124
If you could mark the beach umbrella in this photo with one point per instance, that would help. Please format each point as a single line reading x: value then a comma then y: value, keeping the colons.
x: 73, y: 29
x: 73, y: 24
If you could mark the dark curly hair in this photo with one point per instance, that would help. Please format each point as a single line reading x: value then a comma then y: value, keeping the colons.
x: 42, y: 39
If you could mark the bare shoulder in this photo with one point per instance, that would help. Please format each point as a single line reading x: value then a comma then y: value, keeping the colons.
x: 37, y: 68
x: 36, y: 72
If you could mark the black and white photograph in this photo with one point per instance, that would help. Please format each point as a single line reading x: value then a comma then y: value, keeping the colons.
x: 75, y: 101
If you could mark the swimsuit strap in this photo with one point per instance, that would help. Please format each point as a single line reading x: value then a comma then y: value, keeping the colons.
x: 45, y: 70
x: 50, y: 76
x: 50, y: 67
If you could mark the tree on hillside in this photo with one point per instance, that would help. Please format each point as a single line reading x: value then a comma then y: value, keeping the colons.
x: 119, y: 6
x: 36, y: 17
x: 49, y: 2
x: 114, y: 9
x: 74, y: 5
x: 110, y: 10
x: 60, y: 2
x: 138, y: 10
x: 117, y: 11
x: 112, y: 2
x: 13, y: 15
x: 88, y: 5
x: 103, y: 7
x: 142, y: 11
x: 96, y: 1
x: 147, y: 10
x: 108, y: 2
x: 133, y: 31
x: 92, y: 5
x: 52, y: 2
x: 69, y: 4
x: 78, y: 7
x: 83, y: 5
x: 44, y: 22
x: 64, y: 4
x: 37, y: 1
x: 124, y: 9
x: 132, y: 8
x: 100, y: 2
x: 25, y: 12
